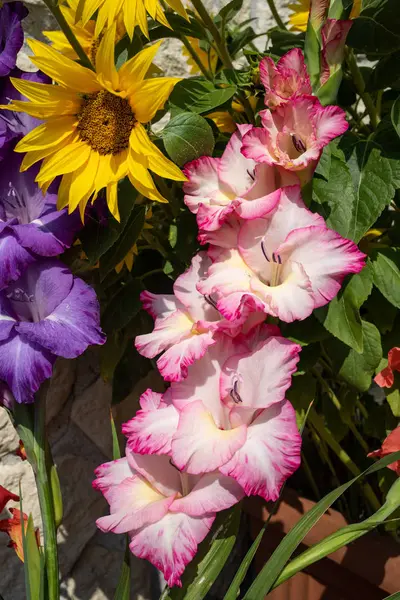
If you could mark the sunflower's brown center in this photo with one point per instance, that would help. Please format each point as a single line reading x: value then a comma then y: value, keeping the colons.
x: 93, y: 50
x: 105, y: 122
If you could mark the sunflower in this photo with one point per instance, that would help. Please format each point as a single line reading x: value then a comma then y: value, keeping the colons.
x: 93, y: 132
x: 134, y: 12
x: 85, y: 34
x: 300, y: 8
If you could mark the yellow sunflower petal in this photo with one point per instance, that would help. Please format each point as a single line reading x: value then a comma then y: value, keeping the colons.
x: 45, y: 111
x: 178, y: 7
x: 62, y: 69
x: 34, y: 156
x: 136, y: 68
x: 150, y: 96
x: 47, y: 134
x: 137, y: 167
x: 105, y: 63
x: 151, y: 193
x: 104, y: 172
x: 83, y: 181
x: 42, y: 92
x: 161, y: 165
x: 66, y: 160
x: 118, y: 165
x: 161, y: 18
x: 112, y: 200
x: 129, y: 15
x: 89, y: 8
x: 63, y: 191
x: 83, y: 204
x: 101, y: 19
x: 140, y: 15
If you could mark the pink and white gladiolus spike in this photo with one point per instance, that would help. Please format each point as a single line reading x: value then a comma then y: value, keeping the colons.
x: 286, y: 264
x: 185, y: 323
x: 293, y: 135
x: 230, y: 414
x: 166, y: 513
x: 218, y: 187
x: 334, y: 34
x: 285, y: 80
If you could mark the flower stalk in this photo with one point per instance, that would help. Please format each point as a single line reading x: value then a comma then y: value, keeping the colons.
x: 276, y: 15
x: 360, y: 87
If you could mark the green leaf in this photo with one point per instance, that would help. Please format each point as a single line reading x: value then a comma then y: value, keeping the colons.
x: 324, y: 164
x: 187, y: 137
x: 274, y: 566
x: 395, y: 115
x: 115, y: 441
x: 33, y: 564
x: 123, y: 591
x: 366, y: 186
x: 282, y: 41
x: 179, y: 26
x: 354, y: 368
x: 393, y: 398
x: 342, y: 316
x: 123, y: 306
x: 199, y: 96
x: 342, y: 537
x: 126, y: 240
x: 386, y: 73
x: 301, y: 393
x: 99, y: 234
x: 230, y: 10
x: 376, y: 30
x: 213, y: 553
x: 395, y: 596
x: 386, y: 274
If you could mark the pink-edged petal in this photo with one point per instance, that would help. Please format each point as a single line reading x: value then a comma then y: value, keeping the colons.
x: 158, y: 305
x: 211, y: 218
x: 268, y: 72
x: 173, y: 364
x: 228, y: 274
x: 186, y: 291
x: 111, y: 474
x: 157, y: 470
x: 133, y: 504
x: 254, y: 206
x: 326, y: 258
x: 234, y: 169
x: 329, y: 122
x: 238, y: 306
x: 260, y: 377
x: 171, y: 543
x: 271, y: 452
x: 151, y: 431
x: 290, y: 300
x: 256, y: 146
x: 225, y: 237
x: 290, y: 213
x: 203, y: 181
x: 168, y: 330
x: 294, y: 59
x: 150, y: 400
x: 213, y: 492
x: 198, y: 445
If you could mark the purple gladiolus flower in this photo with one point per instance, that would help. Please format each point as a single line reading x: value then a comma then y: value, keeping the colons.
x: 30, y: 223
x: 15, y: 125
x: 11, y: 34
x: 46, y: 313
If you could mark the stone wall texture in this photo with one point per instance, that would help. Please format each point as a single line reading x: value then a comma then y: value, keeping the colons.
x: 79, y: 423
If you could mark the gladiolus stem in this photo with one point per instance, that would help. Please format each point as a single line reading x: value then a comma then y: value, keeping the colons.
x: 276, y: 15
x: 360, y: 87
x: 52, y: 5
x: 45, y: 497
x: 195, y: 57
x: 319, y: 425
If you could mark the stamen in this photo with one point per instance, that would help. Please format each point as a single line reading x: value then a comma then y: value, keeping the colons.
x: 298, y: 144
x: 19, y: 295
x: 264, y: 251
x: 250, y: 174
x: 234, y: 394
x: 210, y: 301
x: 105, y: 122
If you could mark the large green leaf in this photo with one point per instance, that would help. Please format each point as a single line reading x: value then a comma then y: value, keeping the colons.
x: 395, y: 115
x: 123, y: 306
x: 342, y: 537
x: 123, y: 591
x: 358, y: 369
x: 376, y: 30
x: 125, y: 241
x: 274, y: 566
x: 342, y: 316
x: 365, y: 181
x: 386, y: 272
x: 187, y: 137
x: 386, y: 73
x: 199, y: 96
x: 213, y: 553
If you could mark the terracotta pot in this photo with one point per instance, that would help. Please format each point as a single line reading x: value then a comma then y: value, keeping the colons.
x: 368, y: 569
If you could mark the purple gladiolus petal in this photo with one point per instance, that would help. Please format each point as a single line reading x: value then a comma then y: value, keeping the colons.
x: 11, y: 35
x: 24, y: 366
x: 73, y: 325
x: 14, y: 259
x: 7, y: 318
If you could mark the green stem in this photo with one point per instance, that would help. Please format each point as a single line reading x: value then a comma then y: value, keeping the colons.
x: 335, y: 400
x: 275, y: 14
x: 45, y: 497
x: 52, y: 5
x: 310, y: 476
x: 195, y: 57
x: 150, y: 273
x: 362, y: 408
x: 342, y: 455
x: 360, y: 87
